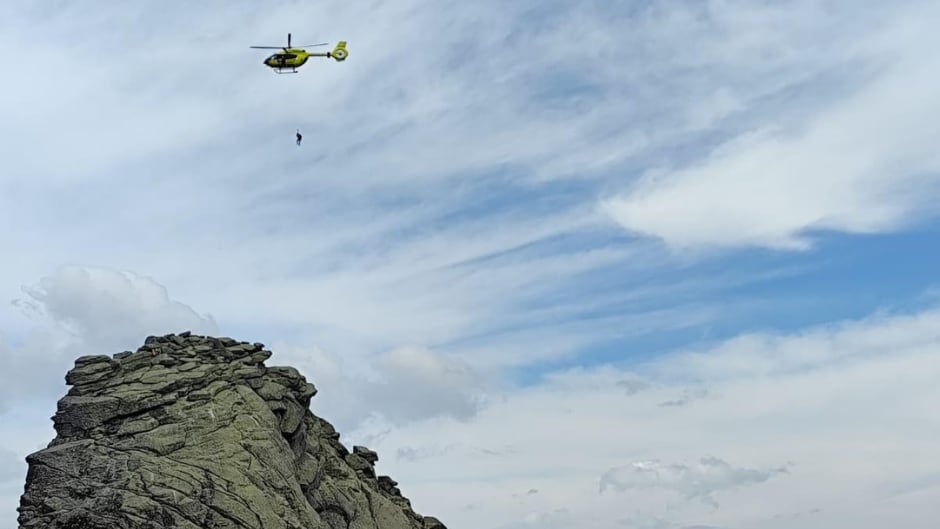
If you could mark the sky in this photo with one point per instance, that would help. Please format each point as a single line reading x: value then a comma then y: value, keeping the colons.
x: 598, y: 264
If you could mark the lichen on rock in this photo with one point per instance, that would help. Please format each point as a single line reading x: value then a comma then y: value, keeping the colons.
x: 195, y: 432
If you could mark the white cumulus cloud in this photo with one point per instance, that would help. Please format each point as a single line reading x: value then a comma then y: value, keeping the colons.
x: 110, y: 309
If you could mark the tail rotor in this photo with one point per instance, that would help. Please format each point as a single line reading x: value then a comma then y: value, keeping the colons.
x: 339, y: 53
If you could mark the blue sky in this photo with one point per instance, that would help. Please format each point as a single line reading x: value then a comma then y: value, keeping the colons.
x: 636, y: 256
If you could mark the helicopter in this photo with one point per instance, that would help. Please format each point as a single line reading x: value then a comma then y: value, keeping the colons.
x: 291, y: 58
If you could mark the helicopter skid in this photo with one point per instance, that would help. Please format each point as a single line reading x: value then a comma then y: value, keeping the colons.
x: 285, y: 71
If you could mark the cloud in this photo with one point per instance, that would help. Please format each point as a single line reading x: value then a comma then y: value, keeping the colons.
x: 559, y: 518
x: 633, y: 385
x: 418, y: 383
x: 785, y: 436
x: 641, y: 521
x: 112, y: 309
x: 699, y: 481
x: 653, y: 522
x: 413, y: 454
x: 862, y: 163
x: 686, y: 397
x: 79, y: 311
x: 383, y: 233
x: 837, y: 345
x: 398, y: 387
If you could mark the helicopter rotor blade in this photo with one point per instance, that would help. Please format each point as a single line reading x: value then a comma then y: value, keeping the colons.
x: 289, y: 45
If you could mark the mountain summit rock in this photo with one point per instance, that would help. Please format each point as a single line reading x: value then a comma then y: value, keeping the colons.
x: 195, y: 432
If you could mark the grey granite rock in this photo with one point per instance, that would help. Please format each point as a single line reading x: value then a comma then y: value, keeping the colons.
x: 196, y: 432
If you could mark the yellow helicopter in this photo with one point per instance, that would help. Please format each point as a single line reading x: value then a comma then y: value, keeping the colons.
x: 290, y: 58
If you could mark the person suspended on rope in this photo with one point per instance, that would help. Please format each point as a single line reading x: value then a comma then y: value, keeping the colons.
x: 299, y: 137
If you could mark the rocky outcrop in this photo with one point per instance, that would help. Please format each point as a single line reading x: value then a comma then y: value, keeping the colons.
x: 195, y: 432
